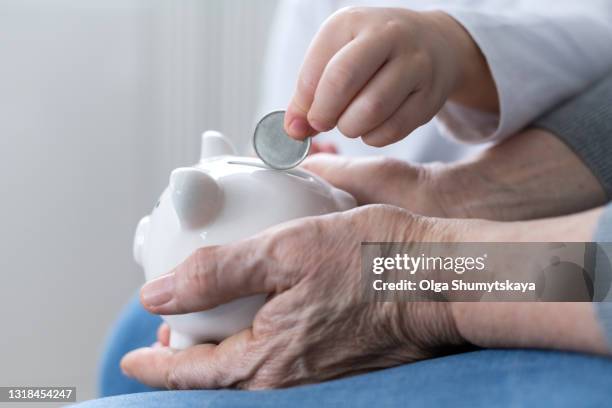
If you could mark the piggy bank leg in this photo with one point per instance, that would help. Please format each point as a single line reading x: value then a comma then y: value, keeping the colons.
x: 181, y: 341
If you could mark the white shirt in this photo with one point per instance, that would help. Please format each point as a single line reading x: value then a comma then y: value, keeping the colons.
x: 540, y: 52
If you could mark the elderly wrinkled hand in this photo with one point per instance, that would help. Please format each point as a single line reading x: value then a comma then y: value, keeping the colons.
x: 315, y: 325
x: 383, y: 180
x: 532, y: 175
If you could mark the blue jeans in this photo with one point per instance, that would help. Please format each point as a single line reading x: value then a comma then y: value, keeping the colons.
x: 485, y: 378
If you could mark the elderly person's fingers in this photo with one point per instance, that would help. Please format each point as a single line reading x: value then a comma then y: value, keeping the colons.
x: 163, y: 334
x: 370, y: 180
x: 317, y: 147
x: 218, y: 274
x: 344, y: 173
x: 201, y: 366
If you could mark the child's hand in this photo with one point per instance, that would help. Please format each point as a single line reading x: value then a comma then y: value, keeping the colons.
x: 380, y: 73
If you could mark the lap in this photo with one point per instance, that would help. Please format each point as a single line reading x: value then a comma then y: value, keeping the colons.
x: 479, y: 378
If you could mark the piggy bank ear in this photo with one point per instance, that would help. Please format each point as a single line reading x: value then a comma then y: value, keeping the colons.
x: 215, y: 144
x: 195, y: 195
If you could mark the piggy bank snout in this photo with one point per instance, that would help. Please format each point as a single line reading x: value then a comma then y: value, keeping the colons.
x: 196, y: 197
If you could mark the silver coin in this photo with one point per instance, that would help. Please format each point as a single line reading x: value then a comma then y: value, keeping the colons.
x: 274, y: 146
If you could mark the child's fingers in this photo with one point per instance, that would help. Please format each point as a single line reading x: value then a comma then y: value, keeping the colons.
x: 379, y: 99
x: 348, y: 71
x: 412, y: 114
x: 324, y: 46
x: 200, y: 366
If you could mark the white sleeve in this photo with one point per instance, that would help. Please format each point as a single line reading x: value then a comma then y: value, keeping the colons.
x: 540, y: 53
x: 295, y: 24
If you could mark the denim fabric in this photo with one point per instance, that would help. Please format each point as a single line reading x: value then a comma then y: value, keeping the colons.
x: 500, y: 378
x: 135, y: 328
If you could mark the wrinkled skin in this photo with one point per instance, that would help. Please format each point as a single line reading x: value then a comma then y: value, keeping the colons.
x: 413, y: 187
x: 316, y: 326
x: 531, y: 175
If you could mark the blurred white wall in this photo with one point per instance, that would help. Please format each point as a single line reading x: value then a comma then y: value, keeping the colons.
x: 99, y: 100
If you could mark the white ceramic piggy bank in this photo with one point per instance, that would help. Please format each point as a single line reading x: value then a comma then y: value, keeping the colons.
x: 222, y: 199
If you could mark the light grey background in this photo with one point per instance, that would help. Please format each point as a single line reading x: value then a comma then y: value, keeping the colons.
x: 99, y: 100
